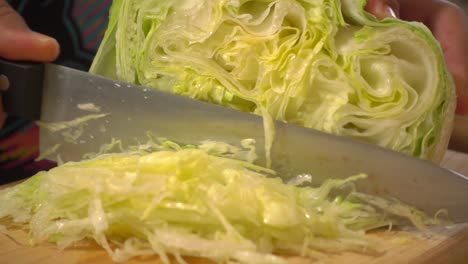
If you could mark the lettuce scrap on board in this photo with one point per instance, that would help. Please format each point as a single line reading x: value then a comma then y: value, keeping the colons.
x: 208, y: 200
x: 322, y: 64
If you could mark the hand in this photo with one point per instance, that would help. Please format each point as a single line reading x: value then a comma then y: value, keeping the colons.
x: 448, y: 24
x: 18, y: 42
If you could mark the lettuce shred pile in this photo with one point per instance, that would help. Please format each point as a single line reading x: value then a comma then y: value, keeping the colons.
x: 207, y: 200
x: 322, y: 64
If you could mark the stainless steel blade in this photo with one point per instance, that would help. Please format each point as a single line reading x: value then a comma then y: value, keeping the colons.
x: 133, y: 111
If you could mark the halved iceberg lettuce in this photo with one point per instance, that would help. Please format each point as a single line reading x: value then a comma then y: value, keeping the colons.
x: 323, y: 64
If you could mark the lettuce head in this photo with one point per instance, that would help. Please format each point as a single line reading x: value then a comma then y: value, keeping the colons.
x: 323, y: 64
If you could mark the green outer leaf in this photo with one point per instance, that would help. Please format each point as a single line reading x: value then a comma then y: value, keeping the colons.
x: 104, y: 62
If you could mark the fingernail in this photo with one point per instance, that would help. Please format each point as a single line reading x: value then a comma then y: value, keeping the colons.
x: 385, y: 10
x: 4, y: 83
x: 388, y: 11
x: 44, y: 39
x: 391, y: 12
x: 393, y: 8
x: 50, y: 45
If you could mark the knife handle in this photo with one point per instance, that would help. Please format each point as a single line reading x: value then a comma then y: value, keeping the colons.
x: 24, y: 94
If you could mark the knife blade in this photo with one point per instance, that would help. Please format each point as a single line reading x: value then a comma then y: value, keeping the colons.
x: 134, y: 110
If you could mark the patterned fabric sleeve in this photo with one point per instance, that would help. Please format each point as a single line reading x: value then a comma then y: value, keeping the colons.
x: 78, y: 26
x: 19, y: 140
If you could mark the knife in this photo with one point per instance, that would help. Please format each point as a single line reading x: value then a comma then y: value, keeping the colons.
x: 52, y: 93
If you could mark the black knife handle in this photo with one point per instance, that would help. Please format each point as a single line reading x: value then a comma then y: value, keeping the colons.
x: 24, y: 95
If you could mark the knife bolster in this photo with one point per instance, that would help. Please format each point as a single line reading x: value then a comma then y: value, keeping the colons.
x: 24, y: 95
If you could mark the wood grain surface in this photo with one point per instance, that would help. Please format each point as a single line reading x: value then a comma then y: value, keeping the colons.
x: 447, y: 245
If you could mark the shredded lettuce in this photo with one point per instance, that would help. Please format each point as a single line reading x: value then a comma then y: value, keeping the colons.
x: 322, y: 64
x: 207, y: 200
x: 77, y: 122
x: 48, y: 152
x: 90, y: 107
x: 71, y: 130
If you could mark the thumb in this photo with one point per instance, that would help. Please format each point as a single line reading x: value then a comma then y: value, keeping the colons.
x: 383, y: 8
x: 18, y: 42
x: 3, y: 86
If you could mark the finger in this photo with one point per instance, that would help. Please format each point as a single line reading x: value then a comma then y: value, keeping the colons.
x: 462, y: 103
x: 18, y: 42
x: 4, y: 83
x: 450, y: 26
x: 383, y: 8
x: 3, y: 115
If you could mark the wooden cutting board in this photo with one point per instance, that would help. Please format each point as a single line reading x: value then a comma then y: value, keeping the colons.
x: 448, y: 245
